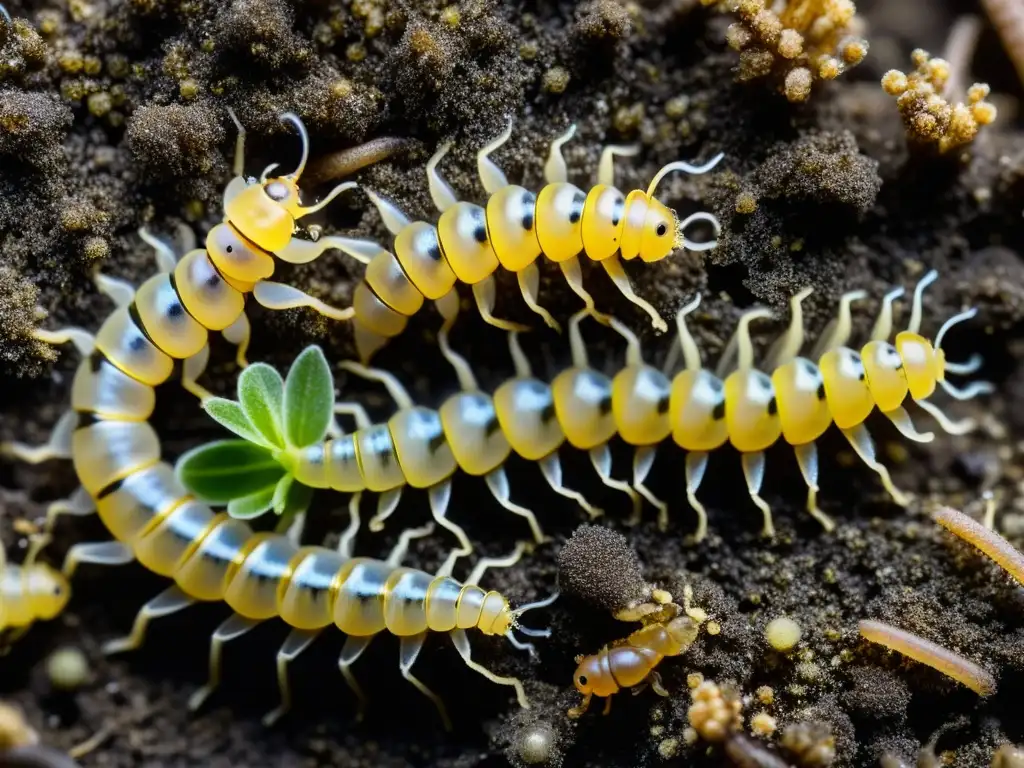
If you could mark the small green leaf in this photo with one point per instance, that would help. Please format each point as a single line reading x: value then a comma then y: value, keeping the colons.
x: 229, y: 414
x: 308, y: 398
x: 253, y: 505
x: 227, y: 469
x: 261, y: 395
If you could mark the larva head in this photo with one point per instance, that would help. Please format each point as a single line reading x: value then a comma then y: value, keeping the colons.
x: 48, y: 590
x: 496, y: 617
x: 265, y: 210
x: 924, y: 366
x: 649, y: 230
x: 593, y: 676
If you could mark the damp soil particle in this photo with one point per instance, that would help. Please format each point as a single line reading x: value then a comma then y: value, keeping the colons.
x: 113, y: 115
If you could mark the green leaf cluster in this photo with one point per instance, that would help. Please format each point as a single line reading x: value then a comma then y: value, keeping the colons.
x: 274, y: 418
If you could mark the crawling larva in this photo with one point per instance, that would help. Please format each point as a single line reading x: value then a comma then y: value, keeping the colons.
x: 169, y: 316
x: 700, y: 410
x: 29, y: 592
x: 631, y: 663
x: 511, y: 230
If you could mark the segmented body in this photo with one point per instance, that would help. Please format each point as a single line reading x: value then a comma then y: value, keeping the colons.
x: 210, y: 556
x: 632, y: 662
x: 29, y: 592
x: 793, y: 398
x: 512, y: 229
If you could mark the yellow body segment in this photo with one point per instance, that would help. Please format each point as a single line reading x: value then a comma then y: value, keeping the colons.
x: 378, y: 462
x: 423, y: 451
x: 375, y: 314
x: 171, y: 538
x: 922, y: 366
x: 30, y: 593
x: 422, y: 260
x: 800, y: 396
x: 583, y: 407
x: 462, y: 232
x: 603, y: 220
x: 305, y: 601
x: 751, y: 412
x: 472, y: 429
x: 108, y: 451
x: 166, y: 321
x: 846, y: 387
x: 104, y: 389
x: 560, y: 220
x: 526, y: 413
x: 126, y: 346
x: 640, y: 405
x: 697, y: 410
x: 886, y: 377
x: 511, y: 224
x: 236, y: 257
x: 260, y: 219
x: 206, y: 296
x: 390, y: 284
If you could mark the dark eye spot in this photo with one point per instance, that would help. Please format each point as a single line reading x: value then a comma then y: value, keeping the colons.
x: 230, y: 249
x: 662, y: 229
x: 583, y: 679
x: 277, y: 191
x: 56, y: 591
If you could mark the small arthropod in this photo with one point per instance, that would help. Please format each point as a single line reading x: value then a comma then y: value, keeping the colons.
x: 630, y: 663
x: 511, y: 230
x: 29, y: 592
x: 168, y: 318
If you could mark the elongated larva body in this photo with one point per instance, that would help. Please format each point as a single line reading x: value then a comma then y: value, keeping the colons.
x: 511, y: 230
x: 794, y: 399
x: 29, y: 592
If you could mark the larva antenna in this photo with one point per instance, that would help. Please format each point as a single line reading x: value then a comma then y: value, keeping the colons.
x: 693, y: 245
x: 528, y: 631
x: 296, y: 122
x: 682, y: 165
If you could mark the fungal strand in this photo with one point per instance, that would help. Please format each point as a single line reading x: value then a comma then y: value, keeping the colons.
x: 935, y: 656
x: 988, y: 541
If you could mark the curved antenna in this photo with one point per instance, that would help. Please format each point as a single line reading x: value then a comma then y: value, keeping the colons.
x: 296, y: 122
x: 692, y: 245
x: 682, y: 165
x: 267, y: 171
x: 915, y: 315
x: 969, y: 392
x: 967, y: 315
x: 534, y: 605
x: 517, y: 643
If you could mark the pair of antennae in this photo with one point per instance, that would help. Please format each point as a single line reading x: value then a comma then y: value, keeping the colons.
x: 296, y: 122
x: 528, y: 631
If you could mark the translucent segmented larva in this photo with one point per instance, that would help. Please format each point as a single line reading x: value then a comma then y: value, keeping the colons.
x: 29, y: 592
x: 212, y: 557
x: 511, y: 230
x: 631, y: 662
x: 700, y: 410
x: 170, y: 315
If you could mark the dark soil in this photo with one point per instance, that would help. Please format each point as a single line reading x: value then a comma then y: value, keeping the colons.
x: 113, y: 114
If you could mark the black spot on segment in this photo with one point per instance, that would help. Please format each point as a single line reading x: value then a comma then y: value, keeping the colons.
x: 821, y: 391
x: 174, y: 286
x: 718, y: 413
x: 620, y: 204
x: 663, y: 402
x: 480, y: 234
x: 137, y: 343
x: 529, y: 204
x: 773, y: 407
x: 433, y: 248
x: 110, y: 488
x: 576, y: 211
x: 96, y: 360
x: 230, y: 249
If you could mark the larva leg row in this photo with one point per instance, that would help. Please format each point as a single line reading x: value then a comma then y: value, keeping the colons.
x: 231, y: 628
x: 409, y: 651
x: 171, y: 600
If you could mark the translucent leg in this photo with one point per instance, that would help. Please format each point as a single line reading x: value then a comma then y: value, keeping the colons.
x: 78, y: 504
x: 696, y: 464
x: 551, y: 468
x: 601, y: 458
x: 368, y: 343
x: 440, y: 192
x: 485, y: 294
x: 643, y: 460
x: 408, y: 653
x: 171, y: 600
x: 356, y: 411
x: 297, y: 641
x: 860, y: 440
x: 486, y: 563
x: 491, y: 176
x: 529, y: 286
x: 574, y: 277
x: 348, y: 536
x: 299, y: 251
x: 440, y: 495
x: 461, y: 643
x: 753, y: 471
x: 401, y: 548
x: 576, y: 345
x: 101, y: 553
x: 961, y: 427
x: 82, y: 340
x: 350, y: 653
x: 497, y: 482
x: 807, y: 458
x: 239, y: 163
x: 787, y: 346
x: 466, y: 377
x: 163, y: 253
x: 606, y: 166
x: 883, y: 324
x: 279, y: 296
x: 394, y: 387
x: 687, y: 346
x: 122, y: 293
x: 57, y: 447
x: 740, y: 349
x: 555, y: 170
x: 233, y: 627
x: 519, y: 361
x: 655, y: 682
x: 837, y: 332
x: 239, y: 333
x: 917, y: 308
x: 618, y: 275
x: 191, y: 369
x: 390, y: 214
x: 387, y: 503
x: 901, y: 419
